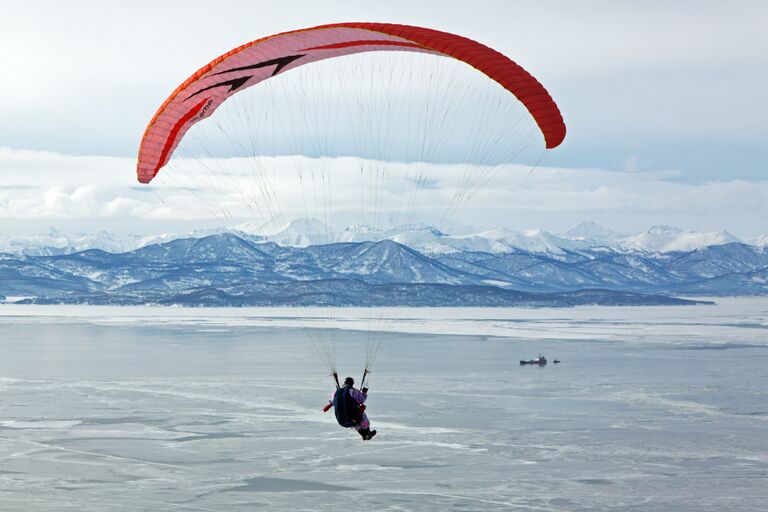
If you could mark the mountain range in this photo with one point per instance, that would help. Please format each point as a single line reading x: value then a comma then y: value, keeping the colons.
x: 305, y: 263
x: 423, y: 238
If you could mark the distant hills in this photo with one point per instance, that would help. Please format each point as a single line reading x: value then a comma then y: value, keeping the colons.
x: 423, y: 238
x: 306, y: 264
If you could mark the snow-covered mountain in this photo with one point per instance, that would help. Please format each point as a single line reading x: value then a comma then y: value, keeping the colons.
x: 594, y: 235
x: 359, y: 233
x: 671, y: 239
x: 428, y: 240
x: 227, y: 270
x: 412, y: 265
x: 54, y: 242
x: 297, y: 233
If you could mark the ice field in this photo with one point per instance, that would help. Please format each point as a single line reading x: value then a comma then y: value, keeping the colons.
x: 146, y: 409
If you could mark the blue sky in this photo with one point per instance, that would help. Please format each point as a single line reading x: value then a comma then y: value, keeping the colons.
x: 660, y: 98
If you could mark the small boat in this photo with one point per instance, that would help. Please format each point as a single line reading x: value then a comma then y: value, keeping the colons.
x: 540, y: 360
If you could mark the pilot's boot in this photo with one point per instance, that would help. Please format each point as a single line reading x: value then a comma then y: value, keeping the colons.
x: 364, y: 433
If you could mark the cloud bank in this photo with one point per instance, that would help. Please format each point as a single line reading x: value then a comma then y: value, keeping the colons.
x: 39, y: 189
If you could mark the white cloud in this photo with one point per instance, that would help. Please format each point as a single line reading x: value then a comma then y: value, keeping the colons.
x: 48, y: 187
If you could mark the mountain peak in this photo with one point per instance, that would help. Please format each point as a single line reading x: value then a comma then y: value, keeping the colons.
x: 591, y: 231
x: 670, y: 239
x: 302, y: 232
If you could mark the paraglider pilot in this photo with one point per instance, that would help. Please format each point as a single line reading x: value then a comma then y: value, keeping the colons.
x: 348, y: 404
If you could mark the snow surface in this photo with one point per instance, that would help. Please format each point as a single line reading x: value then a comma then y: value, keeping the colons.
x: 660, y: 324
x: 219, y: 410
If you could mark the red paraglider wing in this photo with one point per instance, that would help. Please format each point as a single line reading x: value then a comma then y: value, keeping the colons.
x: 200, y: 95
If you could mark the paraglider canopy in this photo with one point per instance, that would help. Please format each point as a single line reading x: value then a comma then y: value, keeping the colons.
x: 202, y: 93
